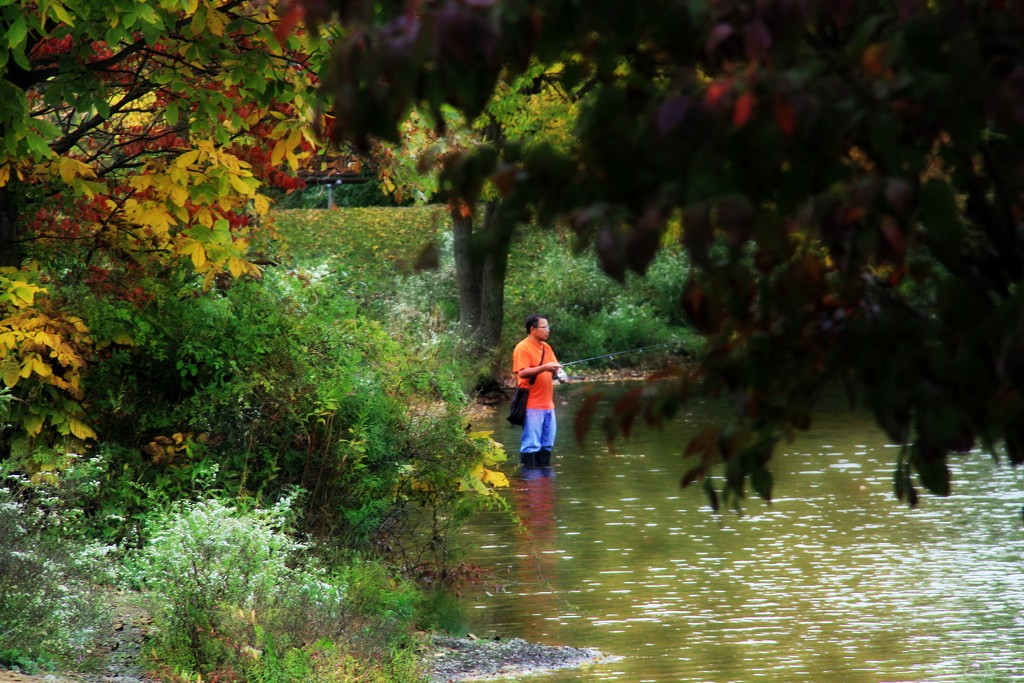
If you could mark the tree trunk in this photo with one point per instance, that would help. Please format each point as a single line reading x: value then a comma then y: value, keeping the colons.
x: 10, y: 243
x: 467, y: 272
x: 492, y: 279
x: 481, y: 263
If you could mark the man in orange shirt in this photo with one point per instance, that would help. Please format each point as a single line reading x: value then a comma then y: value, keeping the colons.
x: 535, y: 364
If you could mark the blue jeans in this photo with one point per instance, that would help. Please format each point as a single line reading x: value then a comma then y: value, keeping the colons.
x: 538, y: 431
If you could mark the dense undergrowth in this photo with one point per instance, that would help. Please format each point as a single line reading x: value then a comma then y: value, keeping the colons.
x: 281, y: 464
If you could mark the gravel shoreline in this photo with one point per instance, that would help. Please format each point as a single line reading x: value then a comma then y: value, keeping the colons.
x: 466, y: 659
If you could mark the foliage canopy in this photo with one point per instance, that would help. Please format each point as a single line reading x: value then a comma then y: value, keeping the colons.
x: 849, y: 176
x: 135, y: 140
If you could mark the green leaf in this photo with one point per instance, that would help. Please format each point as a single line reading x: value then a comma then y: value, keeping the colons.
x: 172, y: 113
x: 21, y: 60
x: 17, y: 32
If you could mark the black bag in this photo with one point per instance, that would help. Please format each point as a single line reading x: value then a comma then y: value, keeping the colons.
x: 517, y: 411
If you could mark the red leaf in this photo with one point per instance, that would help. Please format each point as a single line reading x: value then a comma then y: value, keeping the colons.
x: 504, y: 179
x: 460, y: 208
x: 744, y: 108
x: 585, y: 415
x: 627, y: 408
x: 717, y: 91
x: 291, y: 17
x: 785, y: 116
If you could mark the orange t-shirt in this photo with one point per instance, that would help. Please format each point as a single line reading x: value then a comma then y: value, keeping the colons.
x: 527, y: 355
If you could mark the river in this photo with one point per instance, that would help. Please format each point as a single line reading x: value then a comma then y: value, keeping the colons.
x: 835, y: 580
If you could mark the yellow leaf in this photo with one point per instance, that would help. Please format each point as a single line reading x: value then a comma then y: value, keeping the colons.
x: 80, y: 429
x: 33, y: 424
x: 198, y: 254
x: 237, y: 266
x: 495, y: 478
x: 46, y: 339
x: 35, y: 364
x: 277, y: 154
x: 11, y: 371
x: 5, y: 174
x: 240, y: 185
x: 23, y: 294
x: 156, y: 217
x: 179, y: 195
x: 261, y: 204
x: 215, y: 22
x: 69, y: 169
x: 187, y: 159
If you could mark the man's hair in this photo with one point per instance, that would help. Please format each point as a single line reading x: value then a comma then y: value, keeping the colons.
x: 532, y: 322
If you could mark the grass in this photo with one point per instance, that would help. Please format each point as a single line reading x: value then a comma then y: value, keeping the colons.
x: 381, y: 240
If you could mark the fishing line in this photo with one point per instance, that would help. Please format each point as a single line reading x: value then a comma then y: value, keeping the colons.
x: 612, y: 355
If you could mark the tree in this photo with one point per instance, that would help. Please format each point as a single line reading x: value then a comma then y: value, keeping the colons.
x: 135, y: 139
x: 530, y: 107
x: 530, y: 110
x: 849, y: 176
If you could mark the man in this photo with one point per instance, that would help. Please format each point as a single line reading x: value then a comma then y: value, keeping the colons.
x: 535, y: 364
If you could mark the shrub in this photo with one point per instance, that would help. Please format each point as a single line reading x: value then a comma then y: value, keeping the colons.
x: 269, y: 385
x: 235, y: 596
x: 220, y: 584
x: 590, y: 313
x: 52, y: 609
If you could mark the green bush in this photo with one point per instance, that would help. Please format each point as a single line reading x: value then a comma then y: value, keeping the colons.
x: 235, y: 596
x: 591, y: 314
x: 52, y: 609
x: 270, y: 385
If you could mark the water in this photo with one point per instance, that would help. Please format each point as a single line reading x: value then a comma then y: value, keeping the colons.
x: 834, y: 581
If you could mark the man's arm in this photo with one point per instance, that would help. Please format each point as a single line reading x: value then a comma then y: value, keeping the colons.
x: 527, y: 373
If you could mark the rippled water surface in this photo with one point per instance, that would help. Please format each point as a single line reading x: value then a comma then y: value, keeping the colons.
x: 834, y: 581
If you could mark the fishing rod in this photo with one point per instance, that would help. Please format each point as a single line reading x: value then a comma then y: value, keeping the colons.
x: 617, y: 353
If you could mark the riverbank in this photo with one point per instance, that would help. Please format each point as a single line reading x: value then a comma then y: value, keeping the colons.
x: 445, y: 659
x: 118, y: 658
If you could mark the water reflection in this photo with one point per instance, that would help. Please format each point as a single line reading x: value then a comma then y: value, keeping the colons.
x: 533, y: 500
x: 835, y: 581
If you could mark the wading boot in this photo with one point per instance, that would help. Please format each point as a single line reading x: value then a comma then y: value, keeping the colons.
x: 528, y: 460
x: 544, y: 457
